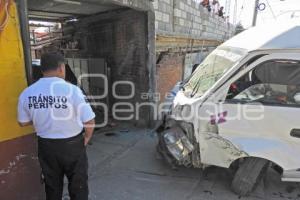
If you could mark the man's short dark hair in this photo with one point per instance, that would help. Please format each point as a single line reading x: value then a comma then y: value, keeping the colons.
x: 51, y: 61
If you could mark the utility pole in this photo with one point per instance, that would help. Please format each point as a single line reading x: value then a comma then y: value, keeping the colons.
x: 227, y: 7
x: 234, y: 12
x: 255, y: 12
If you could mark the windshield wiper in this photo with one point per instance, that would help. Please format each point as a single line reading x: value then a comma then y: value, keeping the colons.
x: 195, y: 89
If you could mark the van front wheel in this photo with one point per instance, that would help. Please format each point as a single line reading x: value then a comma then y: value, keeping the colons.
x: 249, y: 174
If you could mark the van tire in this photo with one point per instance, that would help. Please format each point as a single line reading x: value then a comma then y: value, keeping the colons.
x: 249, y: 174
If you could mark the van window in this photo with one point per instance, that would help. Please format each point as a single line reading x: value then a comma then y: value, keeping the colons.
x: 271, y: 83
x: 212, y: 69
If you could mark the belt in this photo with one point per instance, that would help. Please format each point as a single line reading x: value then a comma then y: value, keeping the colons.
x: 60, y: 139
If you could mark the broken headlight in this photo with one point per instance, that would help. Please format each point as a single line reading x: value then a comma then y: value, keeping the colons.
x: 177, y: 143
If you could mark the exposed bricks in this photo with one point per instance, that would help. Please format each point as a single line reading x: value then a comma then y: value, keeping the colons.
x: 169, y: 72
x: 122, y: 40
x: 189, y: 18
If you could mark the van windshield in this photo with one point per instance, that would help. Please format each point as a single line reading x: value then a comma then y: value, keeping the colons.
x: 212, y: 69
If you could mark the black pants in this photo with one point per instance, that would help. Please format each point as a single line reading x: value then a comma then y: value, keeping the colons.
x: 59, y: 157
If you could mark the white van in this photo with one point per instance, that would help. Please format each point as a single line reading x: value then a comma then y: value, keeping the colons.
x: 240, y: 109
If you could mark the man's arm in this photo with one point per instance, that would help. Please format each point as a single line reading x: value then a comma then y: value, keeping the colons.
x: 85, y: 114
x: 24, y: 118
x: 23, y: 124
x: 88, y: 131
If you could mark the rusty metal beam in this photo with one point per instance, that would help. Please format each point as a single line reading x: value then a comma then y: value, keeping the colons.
x: 176, y: 43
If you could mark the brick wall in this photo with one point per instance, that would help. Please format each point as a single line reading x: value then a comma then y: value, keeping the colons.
x: 189, y: 19
x: 185, y: 19
x: 182, y: 18
x: 143, y: 5
x: 121, y: 38
x: 169, y: 72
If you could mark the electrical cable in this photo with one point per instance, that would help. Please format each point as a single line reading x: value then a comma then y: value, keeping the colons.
x: 274, y: 16
x: 242, y: 9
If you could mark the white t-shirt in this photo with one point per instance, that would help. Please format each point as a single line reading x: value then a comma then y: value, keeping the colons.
x: 57, y: 108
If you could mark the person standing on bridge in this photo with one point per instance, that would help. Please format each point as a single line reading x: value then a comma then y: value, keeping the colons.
x: 221, y: 12
x: 215, y: 6
x: 59, y: 112
x: 206, y: 4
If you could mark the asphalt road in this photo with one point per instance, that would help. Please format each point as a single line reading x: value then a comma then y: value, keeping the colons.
x: 124, y: 165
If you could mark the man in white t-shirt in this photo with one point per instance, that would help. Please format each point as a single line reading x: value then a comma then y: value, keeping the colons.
x: 59, y: 113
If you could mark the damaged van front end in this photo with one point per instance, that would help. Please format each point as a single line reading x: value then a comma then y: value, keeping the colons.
x: 184, y: 140
x: 240, y: 109
x: 177, y: 144
x: 179, y: 134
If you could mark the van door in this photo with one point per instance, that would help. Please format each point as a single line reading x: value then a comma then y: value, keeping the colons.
x: 259, y: 113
